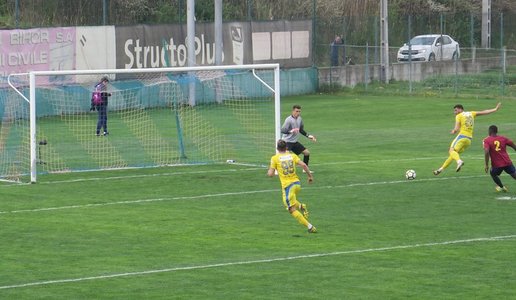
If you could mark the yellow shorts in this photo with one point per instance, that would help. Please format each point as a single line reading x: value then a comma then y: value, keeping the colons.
x: 461, y: 143
x: 290, y: 194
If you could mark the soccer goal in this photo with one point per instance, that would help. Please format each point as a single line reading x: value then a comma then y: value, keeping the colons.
x: 155, y: 117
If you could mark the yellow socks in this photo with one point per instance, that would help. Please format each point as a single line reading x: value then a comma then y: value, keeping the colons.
x: 454, y: 156
x: 299, y: 217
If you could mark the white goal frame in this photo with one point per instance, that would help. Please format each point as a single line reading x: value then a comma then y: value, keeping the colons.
x: 275, y: 89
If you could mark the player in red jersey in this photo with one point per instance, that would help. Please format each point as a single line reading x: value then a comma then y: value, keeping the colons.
x: 495, y: 148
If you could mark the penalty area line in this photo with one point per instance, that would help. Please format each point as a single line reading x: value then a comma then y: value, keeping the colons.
x: 261, y: 261
x: 226, y: 194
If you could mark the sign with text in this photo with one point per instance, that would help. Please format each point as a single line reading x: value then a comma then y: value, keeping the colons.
x: 38, y: 49
x: 153, y: 46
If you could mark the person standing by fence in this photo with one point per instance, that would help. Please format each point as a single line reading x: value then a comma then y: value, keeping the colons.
x: 336, y: 44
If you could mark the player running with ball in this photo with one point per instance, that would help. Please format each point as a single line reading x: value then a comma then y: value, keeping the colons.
x: 464, y: 124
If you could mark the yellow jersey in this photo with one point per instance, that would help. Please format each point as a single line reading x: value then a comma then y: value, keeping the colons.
x: 467, y: 122
x: 285, y: 163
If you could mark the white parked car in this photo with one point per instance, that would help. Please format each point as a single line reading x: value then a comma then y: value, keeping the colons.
x: 430, y: 47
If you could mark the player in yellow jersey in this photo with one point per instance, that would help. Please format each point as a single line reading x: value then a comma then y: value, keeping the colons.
x: 284, y: 163
x: 464, y: 124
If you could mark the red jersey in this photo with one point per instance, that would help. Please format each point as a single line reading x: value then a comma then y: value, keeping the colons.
x: 497, y: 150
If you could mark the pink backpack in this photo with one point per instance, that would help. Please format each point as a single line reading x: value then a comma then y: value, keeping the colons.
x: 96, y: 98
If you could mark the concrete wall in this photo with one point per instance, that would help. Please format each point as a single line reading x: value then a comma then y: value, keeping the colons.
x: 351, y: 75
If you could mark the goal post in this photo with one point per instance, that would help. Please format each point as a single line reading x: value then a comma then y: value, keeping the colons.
x: 154, y: 118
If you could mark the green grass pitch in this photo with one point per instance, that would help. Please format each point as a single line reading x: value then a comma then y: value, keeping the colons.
x: 221, y: 232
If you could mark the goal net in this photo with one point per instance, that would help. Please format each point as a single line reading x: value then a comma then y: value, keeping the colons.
x: 154, y: 117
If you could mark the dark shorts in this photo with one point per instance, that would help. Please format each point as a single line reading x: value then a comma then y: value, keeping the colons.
x: 508, y: 169
x: 296, y: 147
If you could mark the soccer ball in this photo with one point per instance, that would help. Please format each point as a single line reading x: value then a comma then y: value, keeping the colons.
x: 410, y: 174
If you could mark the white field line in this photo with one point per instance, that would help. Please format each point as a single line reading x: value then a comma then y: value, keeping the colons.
x: 306, y: 187
x: 137, y: 176
x: 144, y: 175
x: 438, y: 159
x: 260, y: 261
x: 133, y: 202
x: 227, y: 170
x: 506, y: 198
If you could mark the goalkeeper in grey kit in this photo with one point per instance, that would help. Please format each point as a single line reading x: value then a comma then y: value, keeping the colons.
x: 292, y: 127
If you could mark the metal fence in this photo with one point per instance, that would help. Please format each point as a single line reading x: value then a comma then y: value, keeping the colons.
x: 363, y: 32
x: 485, y: 73
x: 354, y: 61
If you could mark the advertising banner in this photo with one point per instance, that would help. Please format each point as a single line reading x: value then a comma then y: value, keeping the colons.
x: 154, y: 46
x: 95, y: 48
x: 285, y: 42
x: 38, y: 49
